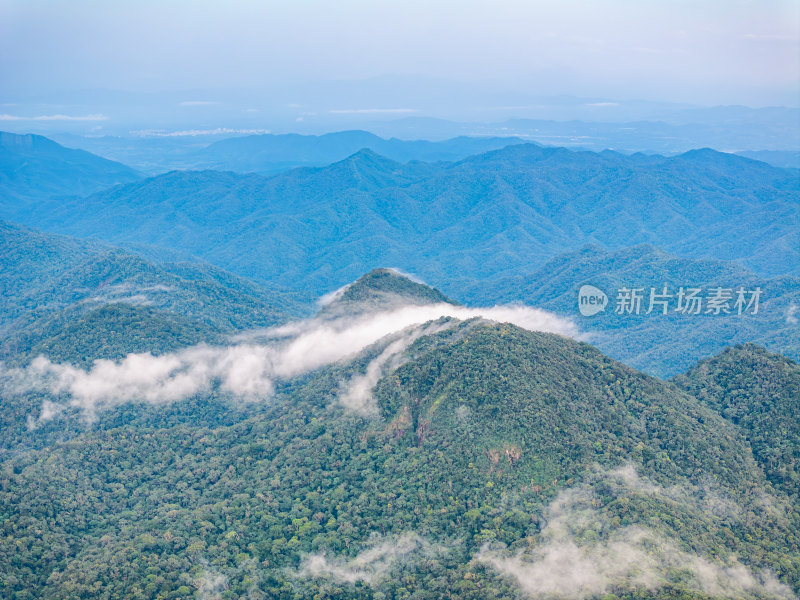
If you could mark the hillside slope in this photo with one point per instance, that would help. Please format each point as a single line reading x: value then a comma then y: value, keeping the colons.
x: 490, y: 215
x: 78, y: 300
x: 759, y: 392
x: 496, y: 448
x: 33, y: 167
x: 661, y: 344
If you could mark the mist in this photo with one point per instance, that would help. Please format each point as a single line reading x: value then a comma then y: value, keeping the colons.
x: 573, y: 562
x: 248, y: 368
x: 710, y: 52
x: 371, y: 565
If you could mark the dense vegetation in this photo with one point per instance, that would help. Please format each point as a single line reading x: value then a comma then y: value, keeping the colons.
x: 478, y: 433
x: 493, y: 454
x: 33, y: 168
x: 78, y: 301
x: 381, y: 288
x: 492, y: 227
x: 493, y: 214
x: 639, y: 340
x: 760, y: 393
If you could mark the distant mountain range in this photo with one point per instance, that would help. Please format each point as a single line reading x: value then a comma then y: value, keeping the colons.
x: 268, y: 154
x: 787, y: 159
x: 33, y: 167
x: 431, y: 110
x: 489, y: 215
x: 661, y: 344
x: 508, y: 225
x: 615, y: 126
x: 69, y: 298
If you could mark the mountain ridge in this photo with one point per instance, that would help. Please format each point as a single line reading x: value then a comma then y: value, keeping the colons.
x: 495, y: 212
x: 33, y: 167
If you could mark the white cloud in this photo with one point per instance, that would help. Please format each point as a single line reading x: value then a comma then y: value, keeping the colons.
x: 127, y: 293
x: 197, y: 132
x: 211, y: 585
x: 371, y: 111
x: 370, y: 565
x: 413, y: 278
x: 48, y: 411
x: 331, y: 297
x: 569, y: 564
x: 249, y: 367
x: 357, y: 393
x: 93, y: 117
x: 791, y: 311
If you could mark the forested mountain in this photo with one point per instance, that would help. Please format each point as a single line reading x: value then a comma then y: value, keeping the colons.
x: 494, y: 452
x: 483, y: 229
x: 33, y: 167
x: 661, y: 344
x: 759, y: 392
x: 279, y: 324
x: 380, y: 289
x: 489, y: 215
x: 77, y: 300
x: 174, y: 430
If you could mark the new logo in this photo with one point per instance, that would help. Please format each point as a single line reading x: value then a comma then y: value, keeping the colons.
x: 591, y: 300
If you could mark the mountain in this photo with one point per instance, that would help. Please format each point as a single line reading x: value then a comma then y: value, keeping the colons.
x: 661, y: 344
x: 79, y: 300
x: 624, y: 127
x: 268, y: 153
x: 455, y: 224
x: 759, y: 392
x: 788, y: 159
x: 33, y: 167
x: 484, y: 229
x: 381, y: 289
x: 495, y: 453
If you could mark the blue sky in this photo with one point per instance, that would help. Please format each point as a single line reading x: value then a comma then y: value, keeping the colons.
x: 705, y: 52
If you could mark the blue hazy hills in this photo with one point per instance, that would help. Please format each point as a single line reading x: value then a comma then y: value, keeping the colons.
x: 487, y: 216
x: 32, y: 167
x: 67, y: 297
x: 272, y: 153
x: 521, y: 223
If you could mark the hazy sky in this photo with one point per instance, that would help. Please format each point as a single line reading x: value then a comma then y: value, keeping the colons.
x: 709, y: 52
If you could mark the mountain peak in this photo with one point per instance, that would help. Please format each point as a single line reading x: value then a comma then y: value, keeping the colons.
x: 382, y: 288
x: 366, y: 155
x: 367, y: 170
x: 757, y: 391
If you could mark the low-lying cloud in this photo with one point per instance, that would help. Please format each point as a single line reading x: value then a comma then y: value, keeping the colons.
x: 356, y: 394
x: 58, y: 117
x: 791, y: 314
x: 211, y: 585
x: 573, y: 561
x: 371, y: 565
x: 145, y: 133
x: 249, y: 367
